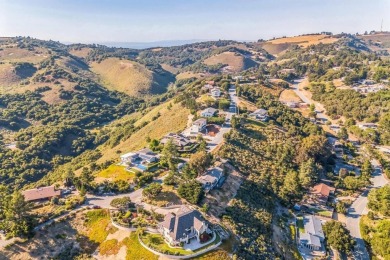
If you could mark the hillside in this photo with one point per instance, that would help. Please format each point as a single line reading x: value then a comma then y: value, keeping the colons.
x: 277, y: 46
x: 235, y: 61
x: 377, y: 41
x: 130, y: 77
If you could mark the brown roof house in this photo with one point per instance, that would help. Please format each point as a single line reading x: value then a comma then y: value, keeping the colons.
x: 42, y: 193
x: 184, y: 226
x: 321, y: 192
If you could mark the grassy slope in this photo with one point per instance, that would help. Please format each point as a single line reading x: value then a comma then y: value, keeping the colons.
x: 232, y: 59
x: 172, y: 120
x: 129, y: 77
x: 278, y: 46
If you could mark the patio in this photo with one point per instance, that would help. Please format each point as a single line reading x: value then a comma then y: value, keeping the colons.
x: 195, y: 245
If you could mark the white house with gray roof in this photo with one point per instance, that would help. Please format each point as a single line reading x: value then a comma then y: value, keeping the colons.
x: 208, y: 112
x: 184, y: 226
x: 313, y: 237
x: 139, y: 159
x: 259, y: 114
x: 212, y: 178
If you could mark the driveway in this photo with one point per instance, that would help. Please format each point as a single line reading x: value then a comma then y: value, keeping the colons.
x: 358, y: 208
x: 218, y: 138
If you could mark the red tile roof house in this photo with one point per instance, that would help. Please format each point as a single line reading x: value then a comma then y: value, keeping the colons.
x: 321, y: 192
x: 42, y: 193
x: 184, y: 226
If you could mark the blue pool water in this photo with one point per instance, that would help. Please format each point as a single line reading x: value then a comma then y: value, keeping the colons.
x: 142, y: 167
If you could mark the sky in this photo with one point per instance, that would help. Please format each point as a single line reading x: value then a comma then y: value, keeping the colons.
x: 96, y: 21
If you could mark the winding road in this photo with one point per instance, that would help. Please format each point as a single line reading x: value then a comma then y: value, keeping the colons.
x: 359, y: 208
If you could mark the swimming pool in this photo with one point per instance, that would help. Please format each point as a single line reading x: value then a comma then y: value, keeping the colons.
x: 141, y: 167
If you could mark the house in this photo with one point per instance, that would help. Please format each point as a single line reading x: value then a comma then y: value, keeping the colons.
x: 292, y: 104
x: 238, y: 78
x: 259, y: 114
x: 139, y: 159
x: 313, y: 237
x: 286, y: 71
x: 208, y: 112
x: 215, y: 92
x: 321, y: 192
x: 178, y: 139
x: 198, y: 126
x: 365, y: 126
x: 210, y: 82
x: 42, y: 193
x: 212, y: 178
x: 183, y: 226
x: 208, y: 87
x: 338, y: 147
x: 335, y: 128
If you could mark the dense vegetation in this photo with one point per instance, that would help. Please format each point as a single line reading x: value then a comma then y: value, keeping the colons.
x: 376, y: 225
x: 281, y: 161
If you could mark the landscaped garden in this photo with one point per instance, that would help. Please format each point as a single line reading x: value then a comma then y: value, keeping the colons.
x: 157, y: 242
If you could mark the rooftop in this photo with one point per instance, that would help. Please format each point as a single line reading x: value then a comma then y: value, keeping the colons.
x: 209, y: 110
x: 40, y: 193
x: 322, y: 189
x: 180, y: 223
x: 313, y: 226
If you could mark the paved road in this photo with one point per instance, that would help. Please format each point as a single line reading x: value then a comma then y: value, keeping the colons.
x: 358, y: 208
x: 301, y: 95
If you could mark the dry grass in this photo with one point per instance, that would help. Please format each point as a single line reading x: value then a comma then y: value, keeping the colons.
x: 243, y: 103
x: 57, y: 238
x: 235, y: 61
x: 219, y: 199
x: 167, y: 195
x: 289, y: 95
x: 187, y: 75
x: 305, y: 40
x: 128, y: 77
x: 172, y: 120
x: 169, y: 68
x: 8, y: 76
x: 82, y: 53
x: 15, y: 54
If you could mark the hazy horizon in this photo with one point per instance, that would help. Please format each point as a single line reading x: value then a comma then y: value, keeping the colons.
x: 151, y: 21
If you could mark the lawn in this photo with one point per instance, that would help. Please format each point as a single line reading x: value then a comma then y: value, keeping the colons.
x: 115, y: 173
x: 135, y: 250
x: 321, y: 212
x: 157, y: 242
x: 300, y: 224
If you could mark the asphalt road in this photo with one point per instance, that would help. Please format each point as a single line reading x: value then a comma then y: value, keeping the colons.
x: 358, y: 208
x: 301, y: 95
